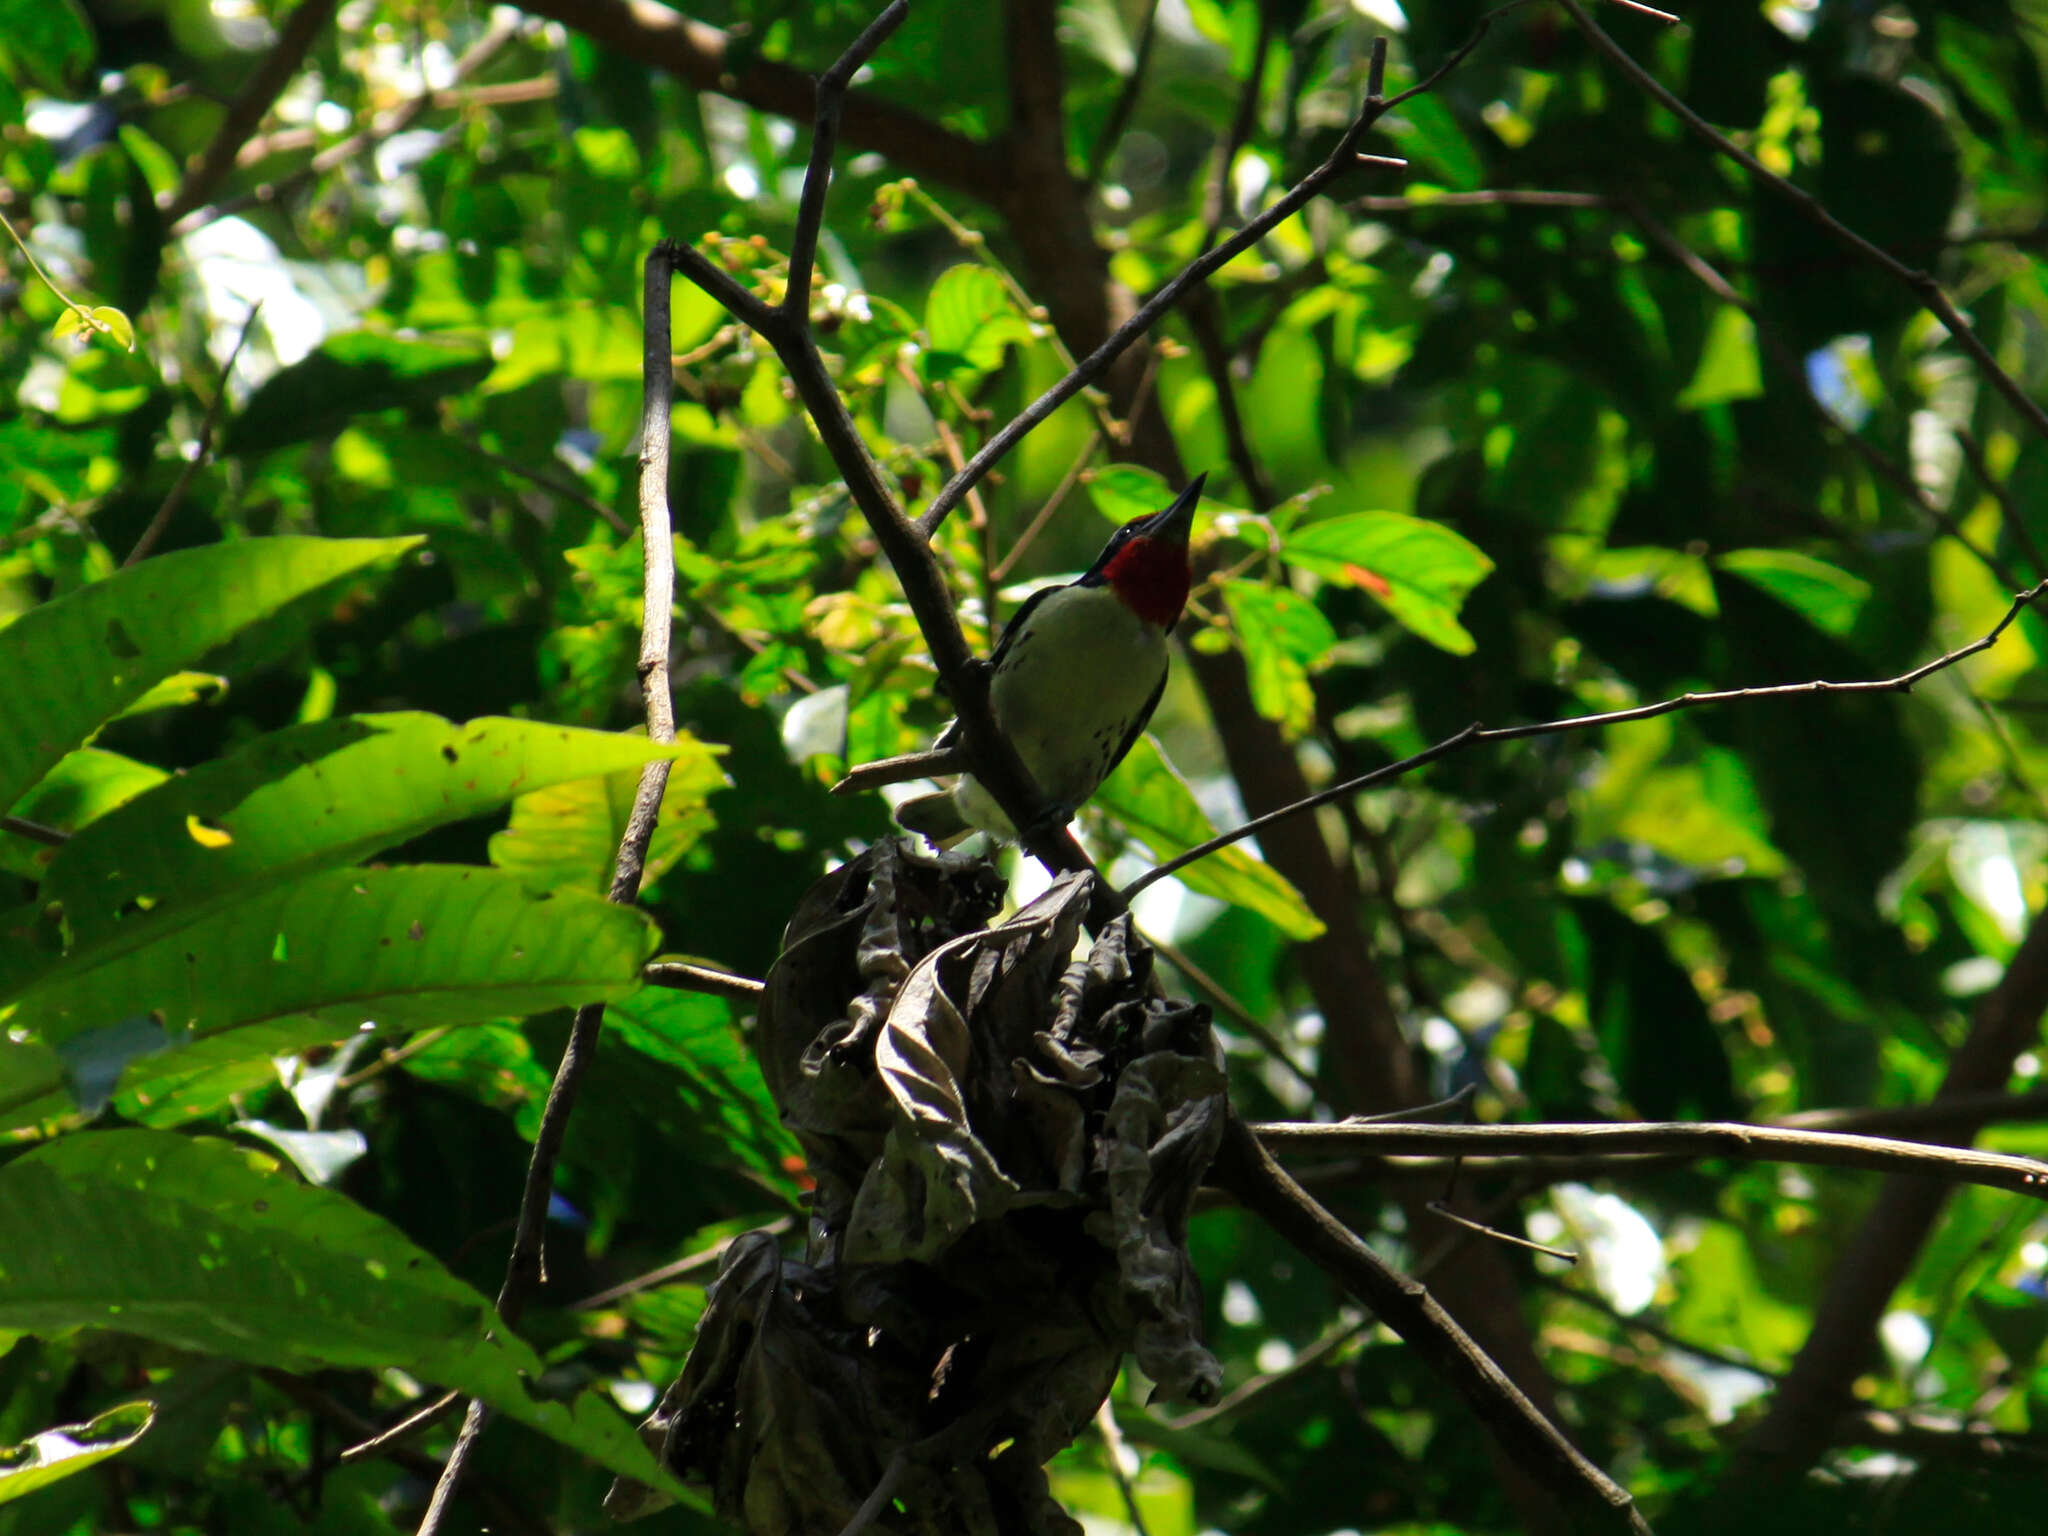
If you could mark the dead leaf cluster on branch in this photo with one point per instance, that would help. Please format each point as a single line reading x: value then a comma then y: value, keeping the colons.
x: 1007, y: 1142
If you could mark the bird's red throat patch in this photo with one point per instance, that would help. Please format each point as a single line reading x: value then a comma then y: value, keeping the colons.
x: 1151, y: 577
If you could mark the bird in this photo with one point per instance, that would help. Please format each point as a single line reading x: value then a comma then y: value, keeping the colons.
x: 1075, y: 677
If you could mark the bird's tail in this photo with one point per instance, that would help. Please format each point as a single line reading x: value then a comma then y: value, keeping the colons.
x: 936, y: 816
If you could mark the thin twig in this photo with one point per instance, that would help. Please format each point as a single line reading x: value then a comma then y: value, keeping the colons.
x: 1443, y: 1209
x: 680, y: 1269
x: 525, y: 1268
x: 684, y: 977
x: 420, y: 1418
x: 1115, y: 1448
x: 1342, y: 159
x: 1920, y: 284
x: 2008, y: 505
x: 1052, y: 504
x: 1475, y: 734
x: 162, y: 519
x: 1962, y: 1115
x: 550, y: 484
x: 188, y: 215
x: 34, y: 831
x: 1839, y: 1149
x: 1216, y: 196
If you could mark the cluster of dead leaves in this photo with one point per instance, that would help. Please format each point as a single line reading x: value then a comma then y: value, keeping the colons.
x: 1007, y: 1141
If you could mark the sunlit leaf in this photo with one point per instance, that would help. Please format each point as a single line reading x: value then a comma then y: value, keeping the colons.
x: 76, y: 662
x: 1419, y: 571
x: 1728, y: 367
x: 568, y: 834
x: 312, y: 796
x: 1285, y: 637
x: 433, y: 944
x: 57, y: 1453
x: 1829, y: 597
x: 201, y: 1245
x: 1156, y: 806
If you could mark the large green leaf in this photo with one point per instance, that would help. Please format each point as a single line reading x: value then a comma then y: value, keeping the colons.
x: 1827, y: 596
x: 312, y: 796
x: 57, y: 1453
x: 970, y: 319
x: 725, y: 1098
x: 351, y: 376
x: 84, y: 786
x: 1159, y: 809
x: 568, y: 834
x: 73, y: 664
x: 1419, y: 571
x: 1285, y: 636
x: 431, y: 944
x: 205, y: 1246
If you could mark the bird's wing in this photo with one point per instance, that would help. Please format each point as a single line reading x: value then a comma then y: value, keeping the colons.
x: 1015, y: 627
x: 1144, y: 718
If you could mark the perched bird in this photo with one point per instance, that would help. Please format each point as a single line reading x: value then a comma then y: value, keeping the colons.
x: 1076, y: 675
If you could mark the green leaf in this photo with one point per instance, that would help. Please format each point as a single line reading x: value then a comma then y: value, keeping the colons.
x: 1285, y: 636
x: 310, y: 797
x: 429, y: 944
x: 1829, y: 597
x: 75, y: 663
x: 178, y: 689
x: 1728, y: 367
x: 32, y: 1084
x: 726, y: 1099
x: 1419, y: 571
x: 84, y: 786
x: 1430, y: 136
x: 204, y: 1246
x: 350, y: 376
x: 1155, y: 804
x: 50, y: 40
x: 1124, y: 491
x: 568, y: 835
x: 2017, y: 1321
x: 57, y: 1453
x: 969, y: 319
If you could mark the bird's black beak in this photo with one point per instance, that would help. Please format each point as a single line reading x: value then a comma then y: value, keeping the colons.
x: 1175, y: 523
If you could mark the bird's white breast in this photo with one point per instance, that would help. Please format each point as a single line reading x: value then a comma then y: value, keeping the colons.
x: 1070, y: 685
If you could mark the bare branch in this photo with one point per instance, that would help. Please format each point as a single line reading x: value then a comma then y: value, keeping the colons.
x: 684, y: 977
x: 1839, y: 1149
x: 1248, y: 1171
x: 1474, y: 734
x: 711, y: 60
x: 266, y: 83
x: 525, y: 1268
x: 1923, y: 287
x: 34, y: 831
x: 1883, y: 1248
x: 1790, y: 368
x: 831, y: 101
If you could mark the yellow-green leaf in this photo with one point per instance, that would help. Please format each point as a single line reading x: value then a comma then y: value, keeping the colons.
x: 1156, y: 806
